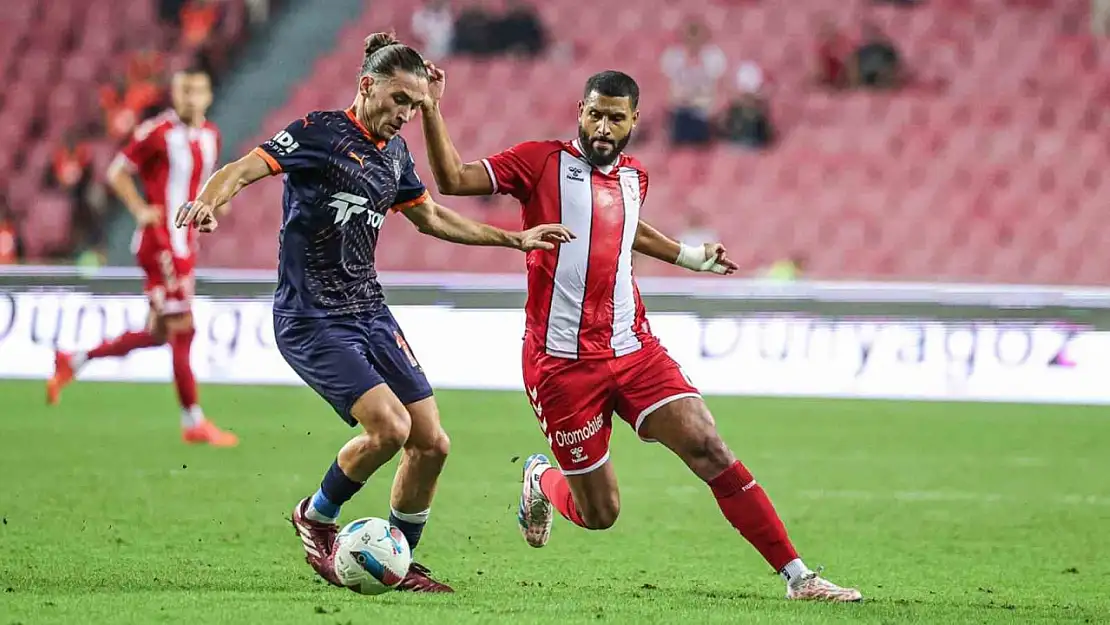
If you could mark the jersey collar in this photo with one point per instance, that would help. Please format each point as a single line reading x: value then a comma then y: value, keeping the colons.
x: 576, y: 150
x: 351, y: 116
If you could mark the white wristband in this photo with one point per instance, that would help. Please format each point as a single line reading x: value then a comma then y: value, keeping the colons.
x: 690, y: 257
x: 696, y: 259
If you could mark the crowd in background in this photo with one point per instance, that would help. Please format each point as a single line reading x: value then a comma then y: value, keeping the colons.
x: 713, y: 98
x: 138, y: 92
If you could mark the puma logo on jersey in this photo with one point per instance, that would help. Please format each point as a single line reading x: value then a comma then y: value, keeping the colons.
x: 347, y: 205
x: 357, y: 158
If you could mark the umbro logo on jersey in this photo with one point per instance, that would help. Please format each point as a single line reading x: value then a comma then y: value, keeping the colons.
x: 347, y: 205
x: 575, y: 174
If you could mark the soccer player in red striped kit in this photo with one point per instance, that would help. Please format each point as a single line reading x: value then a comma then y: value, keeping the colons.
x: 588, y: 349
x: 172, y: 154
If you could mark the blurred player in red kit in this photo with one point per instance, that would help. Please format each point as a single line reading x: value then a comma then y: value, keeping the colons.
x: 588, y: 350
x: 172, y: 154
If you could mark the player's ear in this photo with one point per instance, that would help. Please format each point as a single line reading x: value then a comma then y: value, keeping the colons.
x: 364, y: 84
x: 635, y: 117
x: 581, y: 107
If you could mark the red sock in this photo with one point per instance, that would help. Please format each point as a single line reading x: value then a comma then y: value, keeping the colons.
x: 553, y: 485
x: 123, y: 344
x: 746, y: 505
x: 182, y: 343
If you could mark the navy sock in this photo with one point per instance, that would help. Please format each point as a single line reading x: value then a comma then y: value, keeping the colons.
x: 411, y: 524
x: 336, y: 489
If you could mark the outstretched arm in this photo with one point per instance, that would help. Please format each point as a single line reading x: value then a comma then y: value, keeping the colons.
x: 228, y: 181
x: 443, y: 223
x: 453, y: 176
x: 708, y: 257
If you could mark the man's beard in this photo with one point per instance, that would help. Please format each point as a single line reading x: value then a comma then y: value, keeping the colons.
x: 592, y: 155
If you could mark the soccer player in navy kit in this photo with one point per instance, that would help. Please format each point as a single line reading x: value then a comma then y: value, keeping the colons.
x: 345, y: 171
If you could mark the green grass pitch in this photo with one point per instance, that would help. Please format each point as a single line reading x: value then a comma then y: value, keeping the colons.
x: 940, y: 513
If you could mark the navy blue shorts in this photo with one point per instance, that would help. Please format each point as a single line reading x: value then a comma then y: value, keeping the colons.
x: 343, y: 357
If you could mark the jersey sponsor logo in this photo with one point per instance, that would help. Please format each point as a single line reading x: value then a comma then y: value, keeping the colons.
x: 284, y: 143
x: 348, y: 205
x: 582, y: 434
x: 575, y: 173
x: 357, y: 158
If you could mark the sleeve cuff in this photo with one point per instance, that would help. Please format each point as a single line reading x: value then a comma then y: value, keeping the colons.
x: 121, y: 160
x: 271, y: 162
x: 423, y: 197
x: 489, y: 171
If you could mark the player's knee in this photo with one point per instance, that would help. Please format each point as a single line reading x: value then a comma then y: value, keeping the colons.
x: 601, y: 515
x: 394, y: 431
x: 388, y: 429
x: 435, y: 447
x: 708, y: 454
x: 442, y: 446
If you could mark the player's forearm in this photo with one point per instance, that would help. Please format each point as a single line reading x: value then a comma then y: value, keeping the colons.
x: 230, y: 179
x: 444, y: 159
x: 448, y: 225
x: 651, y: 242
x: 220, y: 188
x: 123, y: 185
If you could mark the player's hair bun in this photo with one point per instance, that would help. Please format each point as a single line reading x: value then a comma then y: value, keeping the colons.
x: 377, y: 41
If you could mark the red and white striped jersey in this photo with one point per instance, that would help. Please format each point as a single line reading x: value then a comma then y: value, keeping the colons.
x: 582, y: 298
x: 173, y: 160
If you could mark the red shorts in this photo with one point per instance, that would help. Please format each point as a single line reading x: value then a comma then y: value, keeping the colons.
x: 169, y: 280
x: 574, y: 400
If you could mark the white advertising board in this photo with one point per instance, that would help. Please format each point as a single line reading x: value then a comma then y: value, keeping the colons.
x: 481, y: 349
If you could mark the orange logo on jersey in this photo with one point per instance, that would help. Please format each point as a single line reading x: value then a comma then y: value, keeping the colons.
x: 357, y: 158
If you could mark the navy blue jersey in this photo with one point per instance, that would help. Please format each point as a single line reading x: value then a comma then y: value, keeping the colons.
x: 339, y: 186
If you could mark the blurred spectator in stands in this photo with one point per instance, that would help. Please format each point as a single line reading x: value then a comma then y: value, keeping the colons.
x: 694, y: 68
x: 520, y: 30
x: 169, y: 11
x: 876, y: 63
x: 474, y: 32
x: 747, y: 119
x: 787, y: 269
x: 11, y: 245
x: 747, y: 122
x: 71, y: 162
x: 1100, y: 17
x: 126, y: 101
x: 833, y: 50
x: 434, y: 27
x: 72, y: 173
x: 198, y: 18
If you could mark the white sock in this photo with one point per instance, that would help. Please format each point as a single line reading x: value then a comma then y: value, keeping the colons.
x: 78, y: 360
x: 794, y: 571
x: 411, y: 517
x: 191, y: 416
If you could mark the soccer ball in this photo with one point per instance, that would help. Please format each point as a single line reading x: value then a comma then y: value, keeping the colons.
x: 371, y: 556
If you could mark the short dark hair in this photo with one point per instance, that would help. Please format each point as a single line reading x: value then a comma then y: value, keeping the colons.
x: 613, y: 84
x: 193, y: 69
x: 385, y: 55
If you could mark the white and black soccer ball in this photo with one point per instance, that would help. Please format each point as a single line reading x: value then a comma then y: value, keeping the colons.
x: 371, y: 556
